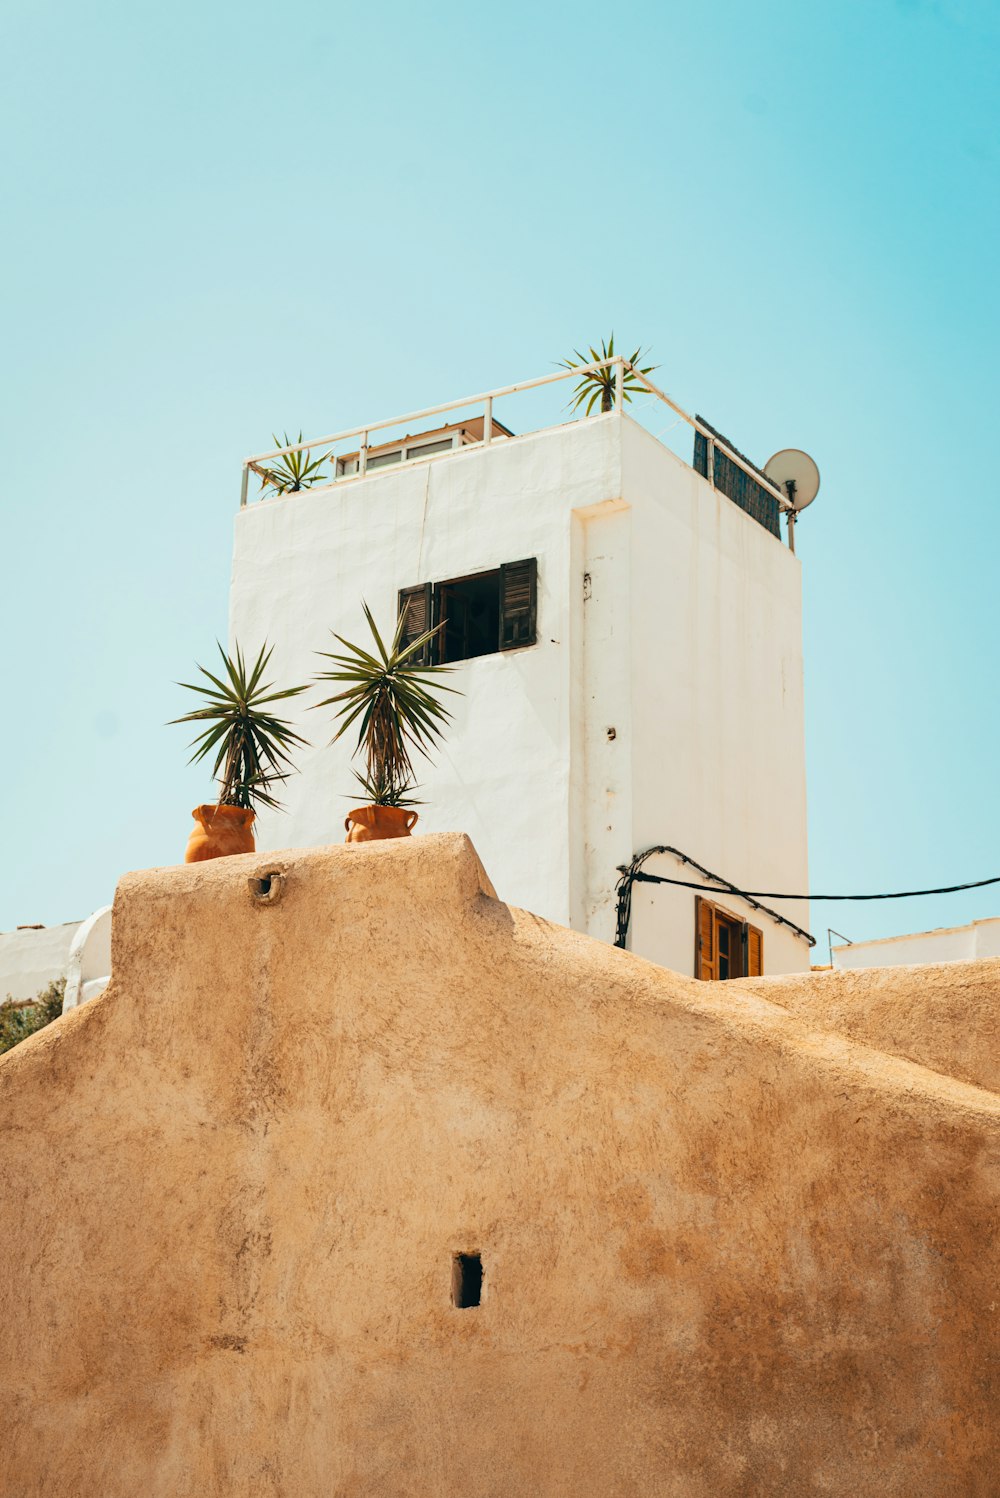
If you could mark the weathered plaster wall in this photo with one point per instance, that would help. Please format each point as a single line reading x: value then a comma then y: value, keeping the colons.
x: 944, y: 1015
x: 726, y: 1252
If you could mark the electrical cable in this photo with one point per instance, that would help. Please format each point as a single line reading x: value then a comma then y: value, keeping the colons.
x: 633, y: 873
x: 768, y: 894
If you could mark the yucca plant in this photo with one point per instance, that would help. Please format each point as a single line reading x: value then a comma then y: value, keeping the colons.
x: 394, y: 700
x: 599, y: 384
x: 252, y: 746
x: 291, y: 471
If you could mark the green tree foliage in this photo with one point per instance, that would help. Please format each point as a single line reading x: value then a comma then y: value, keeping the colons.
x: 18, y: 1021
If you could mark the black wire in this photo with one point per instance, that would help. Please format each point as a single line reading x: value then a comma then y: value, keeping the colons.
x: 766, y: 894
x: 636, y: 876
x: 633, y: 873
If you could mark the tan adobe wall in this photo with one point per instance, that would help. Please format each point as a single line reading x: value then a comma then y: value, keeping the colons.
x: 944, y: 1015
x: 726, y: 1253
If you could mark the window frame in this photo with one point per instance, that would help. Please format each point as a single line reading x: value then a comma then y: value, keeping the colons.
x: 394, y: 455
x: 517, y: 625
x: 440, y: 590
x: 749, y: 938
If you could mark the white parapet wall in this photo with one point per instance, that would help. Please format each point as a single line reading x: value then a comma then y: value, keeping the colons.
x: 947, y: 944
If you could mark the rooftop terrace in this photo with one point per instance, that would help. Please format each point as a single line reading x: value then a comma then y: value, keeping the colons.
x: 349, y: 456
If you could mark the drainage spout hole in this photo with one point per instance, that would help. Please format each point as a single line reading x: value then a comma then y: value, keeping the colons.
x: 266, y: 889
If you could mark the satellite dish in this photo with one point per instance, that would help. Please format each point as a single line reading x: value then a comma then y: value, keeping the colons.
x: 796, y: 474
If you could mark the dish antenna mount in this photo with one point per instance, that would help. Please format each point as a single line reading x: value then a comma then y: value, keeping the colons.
x: 796, y: 473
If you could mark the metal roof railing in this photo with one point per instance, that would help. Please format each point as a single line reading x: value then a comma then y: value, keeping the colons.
x: 485, y: 400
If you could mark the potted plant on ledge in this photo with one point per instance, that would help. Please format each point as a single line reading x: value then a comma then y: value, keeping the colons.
x: 252, y: 752
x: 397, y: 703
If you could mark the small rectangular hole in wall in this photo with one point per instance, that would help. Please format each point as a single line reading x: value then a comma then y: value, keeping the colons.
x: 466, y: 1280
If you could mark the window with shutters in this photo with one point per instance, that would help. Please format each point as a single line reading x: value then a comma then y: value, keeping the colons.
x: 415, y: 606
x: 725, y: 946
x: 481, y: 614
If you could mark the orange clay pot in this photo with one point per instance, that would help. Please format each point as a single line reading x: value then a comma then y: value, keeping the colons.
x: 372, y: 823
x: 220, y: 830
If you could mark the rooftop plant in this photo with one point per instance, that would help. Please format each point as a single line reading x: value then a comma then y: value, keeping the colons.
x: 599, y: 384
x: 252, y: 746
x: 394, y: 701
x: 291, y: 471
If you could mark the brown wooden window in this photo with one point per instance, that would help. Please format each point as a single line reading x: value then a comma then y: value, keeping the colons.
x: 481, y: 614
x: 724, y: 945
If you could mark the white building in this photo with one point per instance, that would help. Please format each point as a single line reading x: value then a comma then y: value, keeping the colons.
x: 946, y: 944
x: 32, y: 957
x: 627, y: 640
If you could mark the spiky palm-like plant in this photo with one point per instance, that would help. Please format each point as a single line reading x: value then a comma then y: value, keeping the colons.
x: 291, y: 471
x: 252, y: 745
x: 395, y: 699
x: 599, y: 384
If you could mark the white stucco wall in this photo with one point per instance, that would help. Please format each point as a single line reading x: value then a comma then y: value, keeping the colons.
x: 718, y: 712
x: 79, y: 951
x: 648, y: 581
x: 947, y: 944
x: 31, y: 959
x: 602, y: 746
x: 302, y: 566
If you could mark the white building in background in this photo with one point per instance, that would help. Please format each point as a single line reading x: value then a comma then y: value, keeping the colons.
x: 946, y: 944
x: 627, y: 642
x: 32, y: 957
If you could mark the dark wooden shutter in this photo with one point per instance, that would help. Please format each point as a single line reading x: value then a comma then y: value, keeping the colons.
x: 705, y: 955
x: 416, y: 602
x: 518, y: 603
x: 754, y: 952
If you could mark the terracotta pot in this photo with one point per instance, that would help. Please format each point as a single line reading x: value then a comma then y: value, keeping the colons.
x: 367, y: 824
x: 220, y: 830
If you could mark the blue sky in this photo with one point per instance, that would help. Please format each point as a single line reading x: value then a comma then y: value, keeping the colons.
x: 224, y: 220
